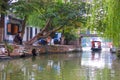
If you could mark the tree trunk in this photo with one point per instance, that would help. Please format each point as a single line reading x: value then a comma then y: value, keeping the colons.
x: 2, y: 24
x: 23, y: 26
x: 8, y: 52
x: 36, y: 37
x: 3, y: 8
x: 44, y: 30
x: 41, y: 35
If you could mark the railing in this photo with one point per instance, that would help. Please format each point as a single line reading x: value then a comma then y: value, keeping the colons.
x: 89, y: 35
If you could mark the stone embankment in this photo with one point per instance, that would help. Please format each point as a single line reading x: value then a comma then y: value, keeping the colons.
x: 19, y: 50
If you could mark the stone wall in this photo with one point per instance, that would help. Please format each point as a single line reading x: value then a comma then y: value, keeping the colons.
x: 44, y: 49
x: 53, y: 48
x: 18, y: 50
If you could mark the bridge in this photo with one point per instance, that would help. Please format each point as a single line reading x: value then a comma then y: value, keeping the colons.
x: 89, y: 35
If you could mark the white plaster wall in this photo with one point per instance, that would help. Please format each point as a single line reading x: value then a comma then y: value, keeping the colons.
x: 11, y: 37
x: 25, y: 35
x: 33, y: 32
x: 6, y: 36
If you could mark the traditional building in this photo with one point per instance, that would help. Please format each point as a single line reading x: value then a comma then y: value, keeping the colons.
x: 13, y: 26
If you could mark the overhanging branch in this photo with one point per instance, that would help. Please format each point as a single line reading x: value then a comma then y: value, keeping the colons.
x: 47, y: 25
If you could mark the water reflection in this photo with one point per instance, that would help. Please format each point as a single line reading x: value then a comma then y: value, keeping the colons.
x: 69, y: 66
x: 95, y: 55
x: 94, y: 59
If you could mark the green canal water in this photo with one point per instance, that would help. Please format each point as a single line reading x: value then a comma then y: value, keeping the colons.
x: 68, y: 66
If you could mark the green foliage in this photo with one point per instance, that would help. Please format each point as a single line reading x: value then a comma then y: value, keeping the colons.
x: 24, y: 8
x: 97, y: 15
x: 65, y: 15
x: 61, y: 14
x: 0, y: 6
x: 105, y: 19
x: 113, y: 21
x: 71, y: 34
x: 10, y: 48
x: 4, y: 6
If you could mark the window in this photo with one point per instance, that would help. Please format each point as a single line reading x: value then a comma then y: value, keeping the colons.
x: 12, y: 29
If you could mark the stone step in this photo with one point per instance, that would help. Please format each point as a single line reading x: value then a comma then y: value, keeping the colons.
x: 4, y: 57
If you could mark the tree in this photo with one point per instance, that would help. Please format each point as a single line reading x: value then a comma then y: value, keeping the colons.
x: 54, y: 16
x: 96, y: 16
x: 113, y: 21
x: 104, y: 18
x: 22, y: 9
x: 3, y: 8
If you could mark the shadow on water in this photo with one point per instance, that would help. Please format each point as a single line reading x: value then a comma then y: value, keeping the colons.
x: 33, y: 58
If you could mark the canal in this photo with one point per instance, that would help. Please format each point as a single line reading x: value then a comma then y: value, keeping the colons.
x: 84, y: 65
